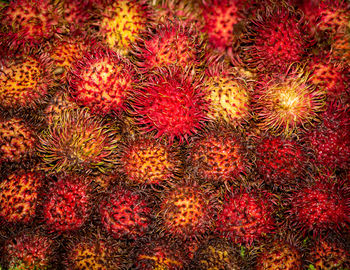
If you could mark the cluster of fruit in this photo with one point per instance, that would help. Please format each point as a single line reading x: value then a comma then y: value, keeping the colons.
x: 174, y: 134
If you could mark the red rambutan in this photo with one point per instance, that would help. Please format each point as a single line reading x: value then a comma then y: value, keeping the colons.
x: 169, y: 43
x: 170, y: 104
x: 67, y: 205
x: 280, y: 161
x: 125, y: 213
x: 274, y: 39
x: 246, y: 216
x: 219, y: 156
x: 102, y: 81
x: 320, y: 206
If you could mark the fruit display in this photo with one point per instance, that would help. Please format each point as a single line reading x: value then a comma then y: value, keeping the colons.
x: 174, y: 134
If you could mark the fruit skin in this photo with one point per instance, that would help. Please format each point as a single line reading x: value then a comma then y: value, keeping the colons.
x: 169, y: 43
x: 330, y: 141
x: 78, y: 142
x: 67, y: 204
x: 220, y: 20
x: 125, y: 213
x: 170, y: 104
x: 280, y: 161
x: 121, y: 22
x: 25, y: 81
x: 17, y: 141
x: 160, y: 254
x: 94, y: 250
x: 331, y: 76
x: 274, y: 39
x: 30, y: 250
x: 102, y: 81
x: 227, y: 94
x: 217, y: 254
x: 327, y: 255
x: 19, y: 196
x: 25, y: 24
x: 285, y: 103
x: 219, y: 155
x: 320, y: 206
x: 246, y: 216
x: 279, y: 255
x: 187, y: 210
x: 147, y: 161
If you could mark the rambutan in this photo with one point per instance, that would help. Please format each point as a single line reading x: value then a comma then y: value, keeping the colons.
x: 220, y: 20
x: 287, y: 102
x: 219, y: 155
x: 274, y: 39
x: 94, y: 251
x: 187, y: 11
x: 187, y: 210
x: 125, y: 213
x: 340, y: 48
x: 19, y: 196
x: 330, y: 76
x: 73, y: 14
x: 60, y: 102
x: 25, y: 24
x: 326, y: 255
x: 161, y: 255
x: 170, y: 104
x: 24, y: 81
x: 78, y: 141
x: 145, y: 160
x: 17, y: 140
x: 218, y: 254
x: 246, y: 216
x: 279, y: 255
x: 67, y: 204
x: 280, y: 161
x: 169, y: 43
x: 30, y: 250
x: 102, y: 81
x: 120, y: 23
x: 65, y: 52
x: 320, y: 206
x: 228, y: 97
x: 330, y: 141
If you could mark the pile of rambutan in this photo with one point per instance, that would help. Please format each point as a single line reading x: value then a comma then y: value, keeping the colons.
x: 174, y: 134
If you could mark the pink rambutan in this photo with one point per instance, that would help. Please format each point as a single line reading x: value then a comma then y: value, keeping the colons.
x: 125, y: 213
x: 284, y: 103
x: 27, y: 23
x: 170, y: 103
x: 168, y: 43
x: 102, y: 81
x: 67, y: 204
x: 320, y: 206
x: 246, y: 216
x: 274, y: 39
x: 280, y: 161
